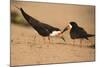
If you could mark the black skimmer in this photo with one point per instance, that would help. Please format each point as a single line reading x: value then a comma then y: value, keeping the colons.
x: 77, y: 32
x: 43, y: 29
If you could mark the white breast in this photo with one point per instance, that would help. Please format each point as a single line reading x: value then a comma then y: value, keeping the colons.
x: 70, y: 26
x: 55, y: 33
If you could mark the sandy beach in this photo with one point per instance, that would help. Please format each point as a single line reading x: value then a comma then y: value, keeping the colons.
x: 25, y: 50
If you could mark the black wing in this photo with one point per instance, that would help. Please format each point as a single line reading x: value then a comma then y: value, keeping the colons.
x: 32, y: 21
x: 50, y: 28
x: 82, y: 33
x: 78, y: 32
x: 41, y: 28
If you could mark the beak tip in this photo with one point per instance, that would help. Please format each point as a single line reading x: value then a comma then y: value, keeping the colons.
x: 63, y: 39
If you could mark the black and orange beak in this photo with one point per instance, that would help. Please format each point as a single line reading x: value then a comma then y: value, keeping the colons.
x: 61, y: 36
x: 67, y: 28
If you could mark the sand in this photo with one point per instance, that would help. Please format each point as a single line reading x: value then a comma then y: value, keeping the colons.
x: 25, y: 50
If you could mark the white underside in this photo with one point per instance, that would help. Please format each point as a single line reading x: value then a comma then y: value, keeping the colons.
x: 55, y: 33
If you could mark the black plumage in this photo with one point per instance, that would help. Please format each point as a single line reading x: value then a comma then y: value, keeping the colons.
x: 77, y: 32
x: 43, y: 29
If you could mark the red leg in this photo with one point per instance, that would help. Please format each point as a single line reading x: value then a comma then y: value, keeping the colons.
x: 49, y: 39
x: 80, y: 42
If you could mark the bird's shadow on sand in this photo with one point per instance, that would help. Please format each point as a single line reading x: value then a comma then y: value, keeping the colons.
x: 91, y: 46
x: 64, y: 44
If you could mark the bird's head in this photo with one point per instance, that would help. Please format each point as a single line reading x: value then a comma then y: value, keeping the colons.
x: 67, y: 28
x: 70, y: 26
x: 73, y: 24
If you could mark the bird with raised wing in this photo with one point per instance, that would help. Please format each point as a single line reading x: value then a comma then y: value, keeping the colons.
x: 43, y: 29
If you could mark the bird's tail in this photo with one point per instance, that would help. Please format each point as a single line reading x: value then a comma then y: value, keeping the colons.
x: 90, y: 35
